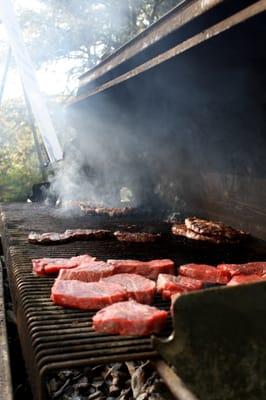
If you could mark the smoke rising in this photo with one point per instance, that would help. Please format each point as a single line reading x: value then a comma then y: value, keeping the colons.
x: 103, y: 164
x: 179, y: 137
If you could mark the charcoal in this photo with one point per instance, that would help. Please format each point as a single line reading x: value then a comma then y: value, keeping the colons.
x: 137, y: 378
x: 61, y: 389
x: 143, y: 396
x: 119, y: 381
x: 98, y: 384
x: 124, y: 394
x: 82, y: 383
x: 111, y: 370
x: 97, y: 396
x: 62, y: 375
x: 53, y: 385
x: 88, y: 371
x: 92, y: 390
x: 114, y: 390
x: 72, y: 396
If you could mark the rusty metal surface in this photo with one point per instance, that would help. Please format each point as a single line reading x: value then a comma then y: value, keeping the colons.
x: 173, y: 20
x: 5, y: 376
x: 235, y: 19
x: 218, y: 345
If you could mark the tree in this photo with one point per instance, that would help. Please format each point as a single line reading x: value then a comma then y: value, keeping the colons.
x: 86, y: 31
x: 79, y: 33
x: 19, y: 167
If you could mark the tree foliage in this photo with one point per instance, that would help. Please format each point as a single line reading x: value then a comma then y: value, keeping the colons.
x: 86, y: 31
x: 80, y: 33
x: 19, y: 167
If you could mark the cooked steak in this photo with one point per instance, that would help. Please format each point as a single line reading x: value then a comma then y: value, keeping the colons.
x: 129, y: 318
x: 149, y: 269
x: 241, y: 279
x: 257, y: 267
x: 85, y: 234
x: 86, y: 295
x: 137, y: 287
x: 68, y: 235
x: 182, y: 230
x: 138, y: 237
x: 88, y: 209
x: 205, y: 273
x: 114, y: 212
x: 70, y: 203
x: 106, y: 211
x: 91, y: 271
x: 44, y: 238
x: 50, y: 266
x: 211, y: 228
x: 168, y: 285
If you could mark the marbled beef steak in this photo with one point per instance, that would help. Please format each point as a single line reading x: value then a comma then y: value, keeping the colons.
x: 129, y: 318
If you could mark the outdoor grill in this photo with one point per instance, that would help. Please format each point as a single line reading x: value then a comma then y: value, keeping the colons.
x: 54, y: 338
x: 193, y: 136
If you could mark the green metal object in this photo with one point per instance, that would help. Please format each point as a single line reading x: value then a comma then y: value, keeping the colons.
x: 218, y: 346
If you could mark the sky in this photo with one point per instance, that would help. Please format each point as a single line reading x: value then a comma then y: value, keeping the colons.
x: 52, y: 79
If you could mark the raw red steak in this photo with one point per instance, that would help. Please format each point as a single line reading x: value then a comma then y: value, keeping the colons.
x: 149, y: 269
x: 49, y: 266
x: 168, y: 285
x: 138, y: 288
x: 205, y: 273
x: 86, y: 296
x: 129, y: 318
x: 88, y: 272
x: 240, y: 279
x: 257, y: 267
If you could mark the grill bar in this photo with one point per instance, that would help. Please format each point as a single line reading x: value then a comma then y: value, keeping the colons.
x: 55, y: 338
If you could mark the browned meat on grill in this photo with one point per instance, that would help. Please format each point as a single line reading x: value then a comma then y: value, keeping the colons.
x: 205, y: 273
x: 91, y: 271
x: 88, y: 209
x: 137, y: 287
x: 241, y: 279
x: 70, y: 203
x: 168, y: 285
x: 257, y: 267
x: 86, y: 295
x: 79, y: 234
x: 43, y: 238
x: 129, y: 318
x: 50, y: 266
x: 212, y: 228
x: 182, y: 230
x: 149, y: 269
x: 114, y: 212
x: 107, y: 211
x: 138, y: 237
x: 68, y: 235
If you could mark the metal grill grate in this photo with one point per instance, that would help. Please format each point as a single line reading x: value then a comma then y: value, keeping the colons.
x: 55, y: 338
x: 52, y: 337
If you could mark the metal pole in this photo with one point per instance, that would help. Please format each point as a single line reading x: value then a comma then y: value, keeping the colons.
x: 3, y: 83
x: 35, y: 136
